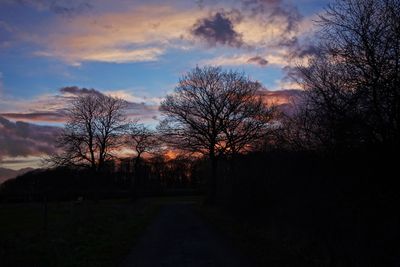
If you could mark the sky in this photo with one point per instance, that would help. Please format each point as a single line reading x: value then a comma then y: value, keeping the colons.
x: 54, y: 50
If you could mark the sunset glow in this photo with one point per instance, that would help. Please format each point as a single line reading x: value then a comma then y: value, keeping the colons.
x: 51, y: 51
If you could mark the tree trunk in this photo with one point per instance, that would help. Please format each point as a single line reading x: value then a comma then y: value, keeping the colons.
x: 212, y: 180
x: 135, y: 176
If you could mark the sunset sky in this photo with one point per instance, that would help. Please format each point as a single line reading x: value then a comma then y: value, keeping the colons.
x: 53, y: 50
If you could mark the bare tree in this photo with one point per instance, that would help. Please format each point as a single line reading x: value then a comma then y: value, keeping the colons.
x: 92, y: 132
x: 352, y: 85
x: 142, y: 140
x: 246, y: 118
x: 214, y: 112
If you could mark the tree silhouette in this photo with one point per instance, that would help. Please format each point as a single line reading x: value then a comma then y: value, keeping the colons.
x: 143, y: 141
x: 93, y: 130
x: 352, y: 84
x: 212, y: 112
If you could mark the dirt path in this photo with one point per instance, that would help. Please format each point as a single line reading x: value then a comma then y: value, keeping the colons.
x: 179, y: 237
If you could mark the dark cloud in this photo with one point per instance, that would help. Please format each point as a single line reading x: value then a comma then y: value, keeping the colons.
x: 258, y: 60
x: 54, y: 109
x: 134, y: 109
x: 60, y: 7
x: 142, y: 111
x: 300, y: 50
x: 305, y: 49
x: 26, y: 139
x: 218, y: 29
x: 271, y: 10
x: 75, y: 90
x: 58, y: 116
x: 69, y: 11
x: 200, y: 3
x: 6, y: 26
x: 259, y: 6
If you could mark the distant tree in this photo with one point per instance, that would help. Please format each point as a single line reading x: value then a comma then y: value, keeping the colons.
x: 143, y: 141
x: 92, y: 132
x: 352, y: 85
x: 212, y: 112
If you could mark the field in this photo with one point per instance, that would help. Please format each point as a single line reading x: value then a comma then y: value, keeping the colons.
x: 260, y: 239
x: 87, y: 233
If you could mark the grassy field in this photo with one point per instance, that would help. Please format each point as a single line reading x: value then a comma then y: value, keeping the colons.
x: 258, y: 239
x: 90, y: 233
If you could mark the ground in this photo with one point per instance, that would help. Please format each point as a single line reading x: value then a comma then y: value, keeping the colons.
x: 169, y: 231
x: 87, y: 233
x: 179, y: 237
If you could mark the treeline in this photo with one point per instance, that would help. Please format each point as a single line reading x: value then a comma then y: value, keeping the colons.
x: 154, y: 176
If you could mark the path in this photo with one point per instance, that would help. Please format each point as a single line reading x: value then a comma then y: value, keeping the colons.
x: 178, y: 237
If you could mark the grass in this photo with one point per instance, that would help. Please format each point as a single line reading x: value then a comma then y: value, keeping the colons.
x: 257, y: 239
x: 76, y: 234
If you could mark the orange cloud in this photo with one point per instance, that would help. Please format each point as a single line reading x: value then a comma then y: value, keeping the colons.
x: 285, y: 101
x: 133, y: 35
x: 276, y: 58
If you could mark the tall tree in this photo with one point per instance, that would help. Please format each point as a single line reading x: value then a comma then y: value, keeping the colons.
x: 352, y: 85
x: 92, y: 132
x: 212, y: 112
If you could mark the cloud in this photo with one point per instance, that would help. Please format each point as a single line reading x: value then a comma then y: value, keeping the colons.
x: 60, y: 7
x: 68, y: 10
x: 272, y: 9
x: 285, y: 101
x: 129, y: 32
x: 108, y: 55
x: 1, y: 83
x: 258, y: 60
x: 36, y: 116
x: 45, y: 108
x: 139, y: 34
x: 130, y: 97
x: 217, y: 29
x: 6, y: 26
x: 52, y: 108
x: 280, y: 97
x: 145, y: 109
x: 125, y: 55
x: 142, y: 108
x: 276, y: 58
x: 273, y: 30
x: 25, y: 139
x: 75, y: 90
x: 21, y: 138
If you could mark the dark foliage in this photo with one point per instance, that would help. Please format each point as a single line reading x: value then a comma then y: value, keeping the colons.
x: 156, y: 176
x: 340, y: 209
